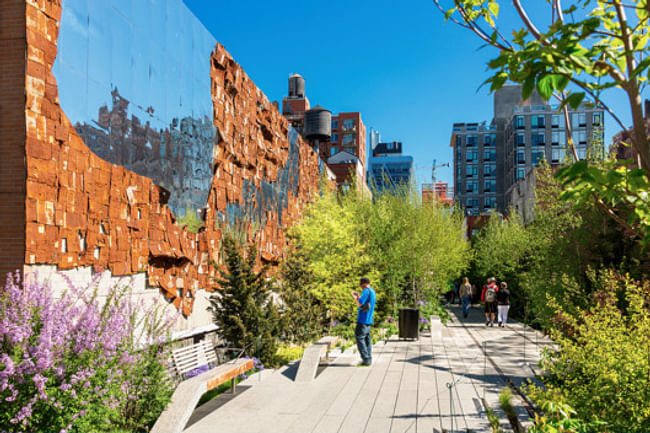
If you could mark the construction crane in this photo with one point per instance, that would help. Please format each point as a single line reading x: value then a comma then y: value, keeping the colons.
x: 433, y: 169
x: 433, y: 174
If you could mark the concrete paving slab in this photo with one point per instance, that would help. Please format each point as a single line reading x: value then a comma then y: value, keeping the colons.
x: 405, y: 390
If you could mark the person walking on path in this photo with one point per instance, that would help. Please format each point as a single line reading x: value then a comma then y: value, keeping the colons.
x: 365, y: 311
x: 465, y: 292
x: 503, y: 300
x: 489, y: 297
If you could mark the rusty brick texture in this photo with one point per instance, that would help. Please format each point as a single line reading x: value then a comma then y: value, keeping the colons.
x: 81, y: 210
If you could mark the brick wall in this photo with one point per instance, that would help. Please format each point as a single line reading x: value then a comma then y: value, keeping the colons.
x: 12, y: 135
x: 83, y: 211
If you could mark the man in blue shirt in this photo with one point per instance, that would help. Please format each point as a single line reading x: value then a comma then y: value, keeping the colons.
x: 365, y: 311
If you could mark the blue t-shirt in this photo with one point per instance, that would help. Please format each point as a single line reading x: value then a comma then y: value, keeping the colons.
x: 365, y: 317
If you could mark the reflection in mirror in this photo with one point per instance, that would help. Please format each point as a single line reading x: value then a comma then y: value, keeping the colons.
x: 134, y: 79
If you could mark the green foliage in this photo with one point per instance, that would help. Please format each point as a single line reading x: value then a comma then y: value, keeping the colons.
x: 285, y: 354
x: 493, y: 420
x: 621, y: 192
x: 602, y: 367
x: 242, y: 307
x: 190, y: 220
x: 303, y: 315
x: 561, y: 418
x: 408, y: 250
x: 329, y: 237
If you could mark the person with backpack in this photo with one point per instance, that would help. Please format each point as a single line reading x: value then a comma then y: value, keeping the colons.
x: 489, y: 297
x: 503, y: 301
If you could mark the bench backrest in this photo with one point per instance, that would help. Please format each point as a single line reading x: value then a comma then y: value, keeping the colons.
x: 188, y: 358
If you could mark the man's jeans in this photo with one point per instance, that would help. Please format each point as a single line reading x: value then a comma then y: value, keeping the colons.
x: 467, y: 300
x: 364, y: 344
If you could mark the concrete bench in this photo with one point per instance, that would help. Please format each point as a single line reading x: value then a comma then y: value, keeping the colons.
x: 311, y: 358
x: 189, y: 392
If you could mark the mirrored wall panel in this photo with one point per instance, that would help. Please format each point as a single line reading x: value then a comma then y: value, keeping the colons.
x: 134, y: 79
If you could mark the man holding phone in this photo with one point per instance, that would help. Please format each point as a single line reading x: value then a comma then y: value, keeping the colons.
x: 365, y: 311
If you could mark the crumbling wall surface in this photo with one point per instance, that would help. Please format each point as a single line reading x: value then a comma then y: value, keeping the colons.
x: 12, y: 135
x: 84, y: 211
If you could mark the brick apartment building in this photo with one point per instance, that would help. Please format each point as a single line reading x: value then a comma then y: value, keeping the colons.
x: 348, y: 134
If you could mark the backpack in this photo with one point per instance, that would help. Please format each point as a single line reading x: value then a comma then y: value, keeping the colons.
x: 490, y: 294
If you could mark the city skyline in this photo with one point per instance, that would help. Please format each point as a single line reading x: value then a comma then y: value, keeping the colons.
x: 399, y: 71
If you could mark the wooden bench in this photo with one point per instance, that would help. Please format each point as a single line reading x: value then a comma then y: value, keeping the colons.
x: 189, y: 391
x: 311, y: 358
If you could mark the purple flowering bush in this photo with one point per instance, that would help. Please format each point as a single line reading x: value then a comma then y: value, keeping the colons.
x: 72, y: 363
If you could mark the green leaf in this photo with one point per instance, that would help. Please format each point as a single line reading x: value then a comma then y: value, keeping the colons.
x: 545, y: 86
x: 575, y: 99
x: 494, y: 8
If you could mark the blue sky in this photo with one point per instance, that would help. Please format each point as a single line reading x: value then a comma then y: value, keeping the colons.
x: 410, y: 74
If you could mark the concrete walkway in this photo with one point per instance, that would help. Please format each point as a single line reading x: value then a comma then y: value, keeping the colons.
x: 430, y: 385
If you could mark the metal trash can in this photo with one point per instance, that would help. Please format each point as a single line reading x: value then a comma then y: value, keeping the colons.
x: 409, y: 323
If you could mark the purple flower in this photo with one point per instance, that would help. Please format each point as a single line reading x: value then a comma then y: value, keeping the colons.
x: 421, y: 303
x: 424, y: 320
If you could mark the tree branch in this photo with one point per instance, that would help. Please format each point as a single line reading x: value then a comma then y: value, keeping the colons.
x: 527, y: 22
x: 557, y: 4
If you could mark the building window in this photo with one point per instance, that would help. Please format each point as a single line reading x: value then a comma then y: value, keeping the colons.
x: 472, y: 171
x: 557, y: 121
x: 459, y: 171
x: 520, y: 139
x: 471, y: 140
x: 472, y: 202
x: 489, y: 139
x: 334, y: 138
x: 335, y: 124
x: 472, y: 186
x: 537, y: 156
x: 596, y: 119
x: 520, y: 123
x: 521, y: 173
x: 471, y: 156
x: 333, y: 150
x: 538, y: 139
x: 349, y: 124
x: 490, y: 170
x: 490, y: 186
x: 490, y: 202
x: 489, y: 155
x: 558, y: 138
x: 537, y: 122
x: 578, y: 120
x: 459, y: 154
x: 521, y: 157
x: 582, y: 152
x: 557, y: 155
x: 472, y: 127
x: 348, y: 139
x: 581, y: 136
x: 459, y: 140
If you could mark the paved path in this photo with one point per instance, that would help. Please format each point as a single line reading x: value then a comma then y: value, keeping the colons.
x: 407, y: 389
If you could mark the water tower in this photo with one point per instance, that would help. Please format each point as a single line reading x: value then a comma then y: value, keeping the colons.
x: 296, y: 86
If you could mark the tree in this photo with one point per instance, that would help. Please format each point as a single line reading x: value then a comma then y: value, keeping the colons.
x: 242, y: 307
x: 303, y: 315
x: 588, y: 47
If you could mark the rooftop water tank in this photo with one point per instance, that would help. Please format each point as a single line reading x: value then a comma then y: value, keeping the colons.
x: 296, y: 86
x: 318, y: 123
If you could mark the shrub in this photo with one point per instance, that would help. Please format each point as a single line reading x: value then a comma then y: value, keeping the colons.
x: 602, y: 368
x: 73, y: 363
